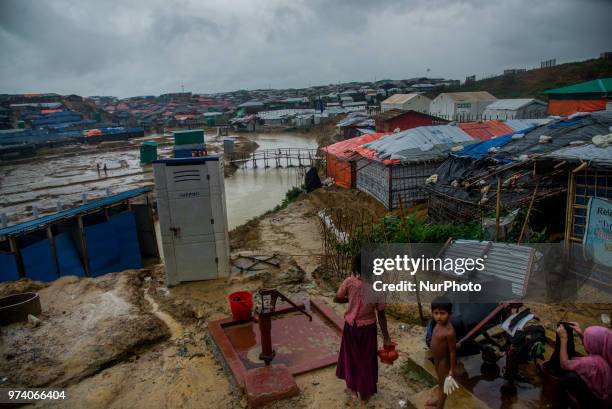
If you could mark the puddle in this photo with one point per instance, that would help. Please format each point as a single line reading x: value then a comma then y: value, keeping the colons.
x: 486, y: 382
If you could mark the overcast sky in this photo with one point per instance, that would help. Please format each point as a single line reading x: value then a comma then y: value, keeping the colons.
x: 126, y: 48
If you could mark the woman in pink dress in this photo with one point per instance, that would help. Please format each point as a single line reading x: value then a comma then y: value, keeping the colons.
x: 358, y: 359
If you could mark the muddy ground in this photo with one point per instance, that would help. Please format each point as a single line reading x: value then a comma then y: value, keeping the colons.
x: 58, y: 176
x: 125, y: 340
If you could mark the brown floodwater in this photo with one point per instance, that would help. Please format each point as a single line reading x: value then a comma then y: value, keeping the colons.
x: 47, y: 182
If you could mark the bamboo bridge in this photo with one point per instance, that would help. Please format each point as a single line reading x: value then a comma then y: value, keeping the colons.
x: 278, y: 158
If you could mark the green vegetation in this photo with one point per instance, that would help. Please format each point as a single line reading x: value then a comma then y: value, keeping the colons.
x: 291, y: 196
x: 392, y: 229
x: 533, y: 83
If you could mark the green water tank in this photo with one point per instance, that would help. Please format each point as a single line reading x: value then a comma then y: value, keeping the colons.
x: 148, y: 151
x: 210, y: 121
x: 20, y: 124
x: 188, y: 137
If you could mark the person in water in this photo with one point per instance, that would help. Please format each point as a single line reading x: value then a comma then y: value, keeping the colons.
x: 358, y: 358
x: 595, y: 369
x: 444, y: 350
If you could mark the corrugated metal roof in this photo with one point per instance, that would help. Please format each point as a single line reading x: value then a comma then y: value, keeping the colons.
x: 390, y: 114
x: 486, y: 130
x: 345, y: 149
x: 470, y: 96
x: 603, y: 85
x: 399, y: 98
x: 418, y: 144
x: 589, y: 152
x: 522, y: 124
x: 507, y: 261
x: 513, y: 104
x: 42, y: 222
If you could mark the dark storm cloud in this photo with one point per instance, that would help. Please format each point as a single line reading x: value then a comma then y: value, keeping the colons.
x: 154, y: 46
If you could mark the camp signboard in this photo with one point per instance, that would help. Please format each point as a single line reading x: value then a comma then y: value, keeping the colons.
x: 598, y: 233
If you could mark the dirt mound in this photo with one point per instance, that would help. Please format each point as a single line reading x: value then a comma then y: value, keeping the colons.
x: 23, y: 285
x: 334, y: 196
x: 87, y: 325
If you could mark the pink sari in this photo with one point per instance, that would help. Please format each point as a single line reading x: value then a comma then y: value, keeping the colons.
x: 596, y: 368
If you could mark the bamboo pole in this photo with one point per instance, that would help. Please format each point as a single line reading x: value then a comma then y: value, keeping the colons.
x: 498, y: 207
x: 535, y: 192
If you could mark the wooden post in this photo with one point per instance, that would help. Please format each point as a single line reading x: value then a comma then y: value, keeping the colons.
x: 498, y: 208
x: 535, y: 192
x: 152, y: 221
x: 53, y: 248
x: 15, y: 249
x: 83, y: 242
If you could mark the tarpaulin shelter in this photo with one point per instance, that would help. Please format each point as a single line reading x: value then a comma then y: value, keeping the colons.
x: 466, y: 183
x: 352, y: 122
x: 486, y: 129
x: 395, y: 167
x: 110, y: 234
x: 584, y: 97
x: 590, y: 179
x: 340, y: 159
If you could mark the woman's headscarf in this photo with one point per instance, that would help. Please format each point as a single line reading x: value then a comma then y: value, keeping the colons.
x: 596, y: 368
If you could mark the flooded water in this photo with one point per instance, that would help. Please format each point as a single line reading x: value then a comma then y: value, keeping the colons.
x: 253, y: 191
x: 487, y: 383
x: 61, y: 179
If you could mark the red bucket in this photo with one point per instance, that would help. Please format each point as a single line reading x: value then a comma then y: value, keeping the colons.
x: 241, y: 304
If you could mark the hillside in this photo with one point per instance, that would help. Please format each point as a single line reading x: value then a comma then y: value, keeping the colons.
x: 532, y: 83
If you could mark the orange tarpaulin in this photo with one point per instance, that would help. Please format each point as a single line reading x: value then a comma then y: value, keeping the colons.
x: 340, y: 159
x: 486, y: 130
x: 565, y: 107
x: 93, y: 132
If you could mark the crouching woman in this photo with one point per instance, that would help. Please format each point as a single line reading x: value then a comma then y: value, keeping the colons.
x: 594, y: 386
x: 358, y: 359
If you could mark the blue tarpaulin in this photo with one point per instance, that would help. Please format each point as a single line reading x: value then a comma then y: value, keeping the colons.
x: 44, y: 221
x: 113, y: 245
x: 481, y: 149
x: 38, y: 261
x: 67, y: 256
x: 8, y: 267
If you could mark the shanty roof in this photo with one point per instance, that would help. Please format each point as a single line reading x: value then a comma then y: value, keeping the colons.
x: 417, y: 144
x: 400, y: 98
x: 603, y: 85
x: 390, y: 114
x: 520, y: 124
x: 473, y: 96
x: 44, y: 221
x: 510, y: 262
x: 513, y: 104
x: 595, y: 155
x: 357, y: 118
x: 251, y: 104
x: 486, y: 130
x: 561, y: 132
x: 345, y: 149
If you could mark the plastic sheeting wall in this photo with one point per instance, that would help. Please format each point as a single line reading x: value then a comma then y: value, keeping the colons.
x: 407, y: 182
x: 38, y: 261
x: 113, y: 245
x: 68, y: 258
x: 8, y: 267
x: 373, y: 178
